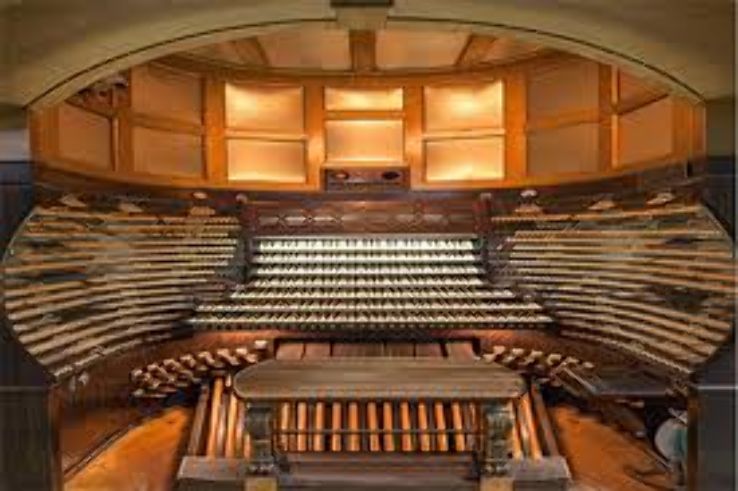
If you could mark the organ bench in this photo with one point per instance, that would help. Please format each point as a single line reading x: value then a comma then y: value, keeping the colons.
x: 348, y: 406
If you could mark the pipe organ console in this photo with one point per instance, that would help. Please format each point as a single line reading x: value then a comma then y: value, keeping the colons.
x: 615, y: 303
x: 369, y: 282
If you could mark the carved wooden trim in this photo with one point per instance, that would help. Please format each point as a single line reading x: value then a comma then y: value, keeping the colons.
x: 497, y: 425
x: 259, y: 421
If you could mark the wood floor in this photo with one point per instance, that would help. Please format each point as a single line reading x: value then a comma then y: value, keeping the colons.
x: 600, y: 457
x: 144, y: 459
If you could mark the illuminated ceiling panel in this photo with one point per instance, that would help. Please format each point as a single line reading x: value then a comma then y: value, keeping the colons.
x: 348, y: 99
x: 468, y: 159
x: 266, y: 161
x: 364, y: 142
x: 463, y: 107
x: 269, y: 109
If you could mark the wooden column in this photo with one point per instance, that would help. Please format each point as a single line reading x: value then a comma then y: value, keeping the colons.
x: 515, y: 112
x: 123, y: 132
x: 216, y: 170
x: 682, y: 130
x: 413, y: 107
x: 44, y: 134
x: 606, y: 118
x: 315, y: 131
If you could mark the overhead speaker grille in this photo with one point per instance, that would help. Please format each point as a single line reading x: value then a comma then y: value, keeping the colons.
x: 385, y: 179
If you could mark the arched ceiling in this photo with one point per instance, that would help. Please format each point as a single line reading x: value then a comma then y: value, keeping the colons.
x: 52, y: 49
x: 310, y: 47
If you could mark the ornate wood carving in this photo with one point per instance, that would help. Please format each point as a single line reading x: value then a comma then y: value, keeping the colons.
x: 497, y: 426
x: 259, y: 425
x: 309, y: 216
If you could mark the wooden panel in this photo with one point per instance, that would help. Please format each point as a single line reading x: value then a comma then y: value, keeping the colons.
x: 159, y: 91
x: 249, y: 51
x: 84, y: 137
x: 266, y: 161
x: 307, y: 47
x: 463, y: 107
x: 361, y: 99
x: 507, y: 49
x: 465, y: 159
x: 361, y: 142
x: 562, y: 88
x: 646, y: 133
x: 475, y: 51
x: 167, y: 153
x: 363, y: 50
x: 631, y: 87
x: 30, y: 456
x: 571, y: 149
x: 376, y: 378
x: 268, y: 109
x: 317, y: 350
x: 418, y: 49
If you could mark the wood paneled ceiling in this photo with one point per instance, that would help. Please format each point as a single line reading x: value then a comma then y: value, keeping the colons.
x: 319, y: 48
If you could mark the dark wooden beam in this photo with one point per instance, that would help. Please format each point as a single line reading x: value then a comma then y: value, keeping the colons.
x: 476, y: 48
x: 250, y: 51
x: 363, y: 46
